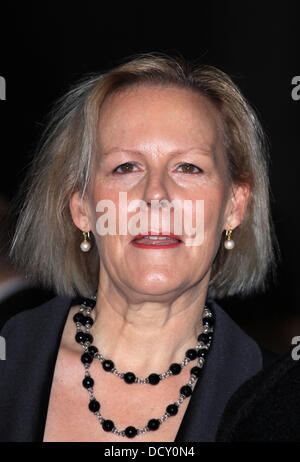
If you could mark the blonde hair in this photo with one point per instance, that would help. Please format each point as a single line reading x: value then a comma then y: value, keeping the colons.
x: 46, y: 241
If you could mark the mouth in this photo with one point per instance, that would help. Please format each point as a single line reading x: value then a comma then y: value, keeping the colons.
x: 158, y: 240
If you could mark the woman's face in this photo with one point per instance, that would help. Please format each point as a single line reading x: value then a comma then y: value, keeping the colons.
x: 170, y: 140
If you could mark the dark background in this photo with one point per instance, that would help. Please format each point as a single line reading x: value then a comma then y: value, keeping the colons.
x: 48, y: 45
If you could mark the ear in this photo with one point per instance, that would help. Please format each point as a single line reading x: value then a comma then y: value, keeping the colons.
x: 78, y: 209
x: 237, y: 205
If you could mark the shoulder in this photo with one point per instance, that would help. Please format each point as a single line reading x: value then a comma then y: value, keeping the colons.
x: 236, y: 335
x: 233, y: 350
x: 31, y: 341
x: 232, y: 338
x: 233, y: 358
x: 32, y: 337
x: 21, y: 300
x: 266, y: 407
x: 37, y: 316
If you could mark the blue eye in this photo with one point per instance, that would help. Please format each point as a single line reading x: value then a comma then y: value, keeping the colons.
x: 127, y: 168
x: 188, y: 168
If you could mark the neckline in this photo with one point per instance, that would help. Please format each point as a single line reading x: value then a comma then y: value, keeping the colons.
x: 73, y: 301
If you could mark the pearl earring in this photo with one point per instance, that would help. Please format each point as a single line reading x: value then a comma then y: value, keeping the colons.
x: 85, y: 244
x: 229, y: 243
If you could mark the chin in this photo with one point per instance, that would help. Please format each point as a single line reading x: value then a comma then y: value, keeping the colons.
x: 155, y: 284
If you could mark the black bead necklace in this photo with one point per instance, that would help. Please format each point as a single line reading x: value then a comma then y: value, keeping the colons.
x: 84, y: 322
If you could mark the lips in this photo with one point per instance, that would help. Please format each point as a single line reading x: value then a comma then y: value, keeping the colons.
x: 155, y: 240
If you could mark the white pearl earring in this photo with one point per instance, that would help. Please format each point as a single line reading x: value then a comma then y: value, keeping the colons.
x: 229, y: 243
x: 85, y: 244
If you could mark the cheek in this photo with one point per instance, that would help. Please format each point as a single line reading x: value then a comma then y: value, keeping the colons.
x: 214, y: 206
x: 102, y: 196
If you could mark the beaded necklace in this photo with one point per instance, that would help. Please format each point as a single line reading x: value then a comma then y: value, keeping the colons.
x: 84, y: 322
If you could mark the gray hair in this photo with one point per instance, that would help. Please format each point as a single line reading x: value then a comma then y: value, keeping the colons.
x: 46, y: 241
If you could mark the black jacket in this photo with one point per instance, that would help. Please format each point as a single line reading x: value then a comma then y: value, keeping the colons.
x: 267, y: 407
x: 32, y: 342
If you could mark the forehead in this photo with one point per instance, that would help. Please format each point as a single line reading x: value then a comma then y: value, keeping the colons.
x: 148, y: 113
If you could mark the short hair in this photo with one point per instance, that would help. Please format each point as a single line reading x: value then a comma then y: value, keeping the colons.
x: 46, y: 241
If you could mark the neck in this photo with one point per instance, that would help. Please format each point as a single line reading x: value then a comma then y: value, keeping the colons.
x: 147, y: 336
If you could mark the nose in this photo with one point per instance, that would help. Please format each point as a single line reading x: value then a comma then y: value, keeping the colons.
x: 156, y: 188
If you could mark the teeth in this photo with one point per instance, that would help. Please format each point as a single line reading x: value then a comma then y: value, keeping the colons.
x: 156, y: 237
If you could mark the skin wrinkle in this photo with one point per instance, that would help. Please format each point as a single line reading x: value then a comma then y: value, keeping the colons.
x: 132, y: 151
x: 147, y: 298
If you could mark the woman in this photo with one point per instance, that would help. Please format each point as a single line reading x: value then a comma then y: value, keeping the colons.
x: 151, y: 354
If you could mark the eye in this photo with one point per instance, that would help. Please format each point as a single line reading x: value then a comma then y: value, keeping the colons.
x: 190, y: 168
x: 126, y: 168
